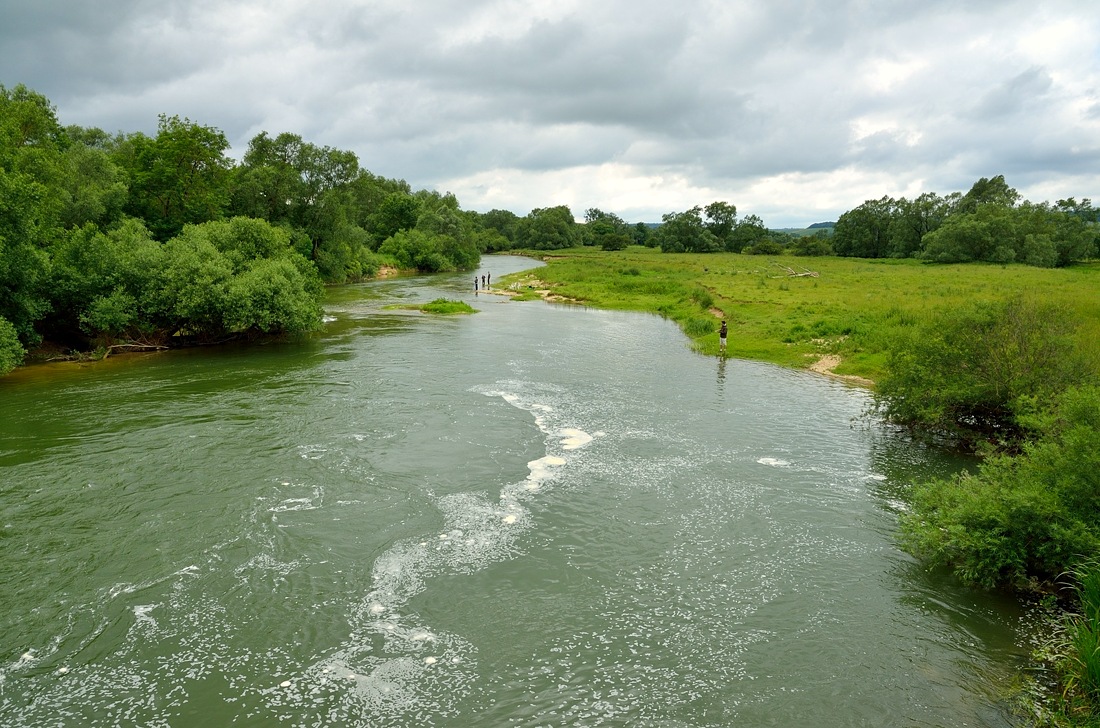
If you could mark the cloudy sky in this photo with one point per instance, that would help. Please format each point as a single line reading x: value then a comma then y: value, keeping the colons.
x: 794, y: 110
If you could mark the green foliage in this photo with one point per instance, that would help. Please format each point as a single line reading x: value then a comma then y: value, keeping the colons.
x: 721, y: 221
x: 864, y: 232
x: 607, y: 230
x: 1079, y: 666
x: 429, y: 252
x: 966, y: 373
x: 97, y: 279
x: 214, y: 280
x: 11, y: 351
x: 447, y: 307
x: 93, y: 188
x: 764, y: 247
x: 179, y: 177
x: 549, y: 228
x: 685, y: 232
x: 988, y: 191
x: 1021, y: 517
x: 32, y: 146
x: 396, y: 213
x: 988, y: 223
x: 272, y: 296
x: 812, y: 245
x: 702, y: 298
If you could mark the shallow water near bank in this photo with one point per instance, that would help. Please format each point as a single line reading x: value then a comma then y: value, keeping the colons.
x: 536, y: 515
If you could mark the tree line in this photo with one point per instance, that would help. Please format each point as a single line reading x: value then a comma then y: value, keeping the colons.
x: 988, y: 223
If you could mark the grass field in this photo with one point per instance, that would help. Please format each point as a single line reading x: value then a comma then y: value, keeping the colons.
x: 848, y: 308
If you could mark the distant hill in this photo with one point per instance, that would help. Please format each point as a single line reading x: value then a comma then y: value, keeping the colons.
x: 811, y: 230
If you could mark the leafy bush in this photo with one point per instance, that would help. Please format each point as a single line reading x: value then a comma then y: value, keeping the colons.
x: 271, y: 297
x: 1020, y: 517
x: 966, y: 373
x: 811, y: 245
x: 764, y: 247
x: 11, y: 351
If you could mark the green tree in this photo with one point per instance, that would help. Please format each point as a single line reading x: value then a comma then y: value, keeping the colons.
x: 988, y: 191
x: 94, y: 189
x: 991, y: 233
x: 97, y: 281
x: 549, y: 228
x: 319, y: 191
x: 750, y: 232
x: 721, y: 221
x: 684, y: 232
x: 441, y: 218
x: 812, y: 245
x: 912, y: 220
x: 864, y: 232
x: 179, y: 177
x: 273, y: 296
x: 32, y: 146
x: 606, y: 229
x: 505, y: 222
x: 397, y: 212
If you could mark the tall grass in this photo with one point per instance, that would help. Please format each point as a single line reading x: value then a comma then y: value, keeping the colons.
x: 1078, y: 654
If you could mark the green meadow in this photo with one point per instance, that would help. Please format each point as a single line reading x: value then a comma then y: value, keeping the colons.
x: 791, y: 311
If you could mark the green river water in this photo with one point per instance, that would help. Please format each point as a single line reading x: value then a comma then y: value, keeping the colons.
x: 538, y: 515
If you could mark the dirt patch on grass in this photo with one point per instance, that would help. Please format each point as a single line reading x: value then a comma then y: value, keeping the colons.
x: 827, y: 363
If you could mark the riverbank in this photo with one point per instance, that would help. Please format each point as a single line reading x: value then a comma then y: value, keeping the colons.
x: 833, y: 315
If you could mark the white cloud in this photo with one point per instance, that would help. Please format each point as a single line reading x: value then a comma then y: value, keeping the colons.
x: 793, y: 110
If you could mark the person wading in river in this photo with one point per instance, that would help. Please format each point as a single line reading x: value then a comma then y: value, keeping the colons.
x: 722, y: 337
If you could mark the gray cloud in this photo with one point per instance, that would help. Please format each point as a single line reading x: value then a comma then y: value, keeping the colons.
x: 796, y: 110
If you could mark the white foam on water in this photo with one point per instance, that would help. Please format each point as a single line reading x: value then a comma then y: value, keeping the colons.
x: 774, y: 462
x: 572, y: 438
x: 541, y: 470
x: 393, y: 665
x: 313, y: 501
x: 141, y: 613
x: 312, y: 452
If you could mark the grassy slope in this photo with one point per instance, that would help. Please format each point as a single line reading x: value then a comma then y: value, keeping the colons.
x: 848, y: 309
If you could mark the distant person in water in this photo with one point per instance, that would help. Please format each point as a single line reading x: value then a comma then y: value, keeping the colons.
x: 483, y: 286
x: 488, y: 280
x: 475, y: 284
x: 722, y: 337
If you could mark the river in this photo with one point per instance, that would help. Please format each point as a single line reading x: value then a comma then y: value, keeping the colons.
x: 537, y: 515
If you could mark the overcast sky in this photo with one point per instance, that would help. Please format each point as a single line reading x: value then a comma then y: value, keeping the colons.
x: 793, y: 110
